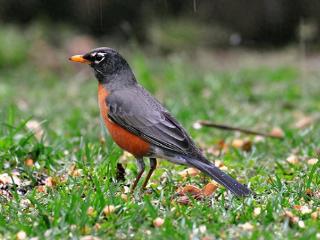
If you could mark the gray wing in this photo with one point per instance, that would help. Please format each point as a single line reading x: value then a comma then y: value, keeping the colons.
x: 137, y: 111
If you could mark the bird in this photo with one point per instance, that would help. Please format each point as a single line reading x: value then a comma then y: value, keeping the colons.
x: 139, y: 124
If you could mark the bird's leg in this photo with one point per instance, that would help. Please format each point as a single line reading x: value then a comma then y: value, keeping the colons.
x: 140, y: 164
x: 153, y: 165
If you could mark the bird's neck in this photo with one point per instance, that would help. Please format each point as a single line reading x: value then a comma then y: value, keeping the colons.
x: 117, y: 81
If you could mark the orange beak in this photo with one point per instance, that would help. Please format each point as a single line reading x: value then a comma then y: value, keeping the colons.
x: 79, y: 58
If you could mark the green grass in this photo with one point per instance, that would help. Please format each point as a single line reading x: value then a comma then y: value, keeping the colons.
x: 63, y: 100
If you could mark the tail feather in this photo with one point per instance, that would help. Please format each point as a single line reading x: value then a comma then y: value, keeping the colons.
x: 219, y: 176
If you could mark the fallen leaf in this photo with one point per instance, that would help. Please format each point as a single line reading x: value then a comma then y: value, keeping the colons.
x: 189, y: 189
x: 189, y: 172
x: 277, y: 132
x: 184, y: 200
x: 109, y: 209
x: 209, y: 189
x: 158, y: 222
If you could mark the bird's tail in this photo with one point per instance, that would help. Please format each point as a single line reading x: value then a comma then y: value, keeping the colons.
x: 219, y: 176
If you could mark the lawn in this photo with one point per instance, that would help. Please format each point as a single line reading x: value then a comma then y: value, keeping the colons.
x: 62, y: 167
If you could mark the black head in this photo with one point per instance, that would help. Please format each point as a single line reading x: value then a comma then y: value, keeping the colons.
x: 108, y: 65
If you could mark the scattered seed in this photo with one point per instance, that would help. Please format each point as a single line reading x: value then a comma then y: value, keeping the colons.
x: 312, y: 161
x: 197, y: 125
x: 257, y: 211
x: 21, y: 235
x: 109, y: 209
x: 158, y: 222
x: 42, y: 189
x: 89, y: 237
x: 90, y: 211
x: 293, y: 159
x: 246, y: 226
x: 314, y: 215
x: 50, y: 182
x: 243, y: 144
x: 28, y: 162
x: 304, y: 122
x: 277, y: 132
x: 301, y: 224
x: 124, y: 197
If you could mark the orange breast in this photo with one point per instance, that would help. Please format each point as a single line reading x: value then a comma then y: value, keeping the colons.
x: 125, y: 139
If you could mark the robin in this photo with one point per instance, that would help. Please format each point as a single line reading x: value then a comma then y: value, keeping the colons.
x: 139, y: 124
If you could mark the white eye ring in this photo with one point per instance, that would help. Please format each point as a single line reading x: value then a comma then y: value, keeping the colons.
x: 99, y: 57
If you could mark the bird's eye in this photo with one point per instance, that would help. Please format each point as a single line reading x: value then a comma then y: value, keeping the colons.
x: 99, y: 57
